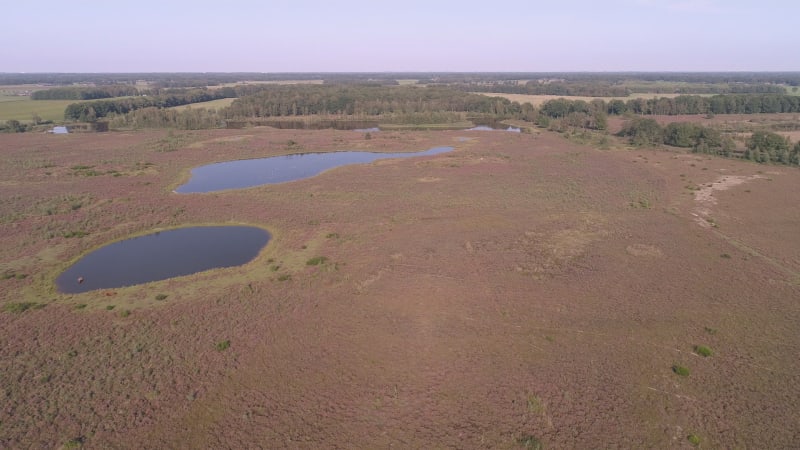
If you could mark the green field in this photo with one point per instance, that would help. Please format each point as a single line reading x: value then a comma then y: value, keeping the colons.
x: 213, y: 104
x: 23, y: 108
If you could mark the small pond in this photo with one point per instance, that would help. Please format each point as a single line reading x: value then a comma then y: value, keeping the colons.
x: 162, y: 255
x: 280, y: 169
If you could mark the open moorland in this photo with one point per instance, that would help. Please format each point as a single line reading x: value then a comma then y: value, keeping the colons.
x: 521, y: 290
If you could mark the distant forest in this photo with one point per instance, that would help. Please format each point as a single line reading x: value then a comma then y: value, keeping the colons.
x: 366, y: 100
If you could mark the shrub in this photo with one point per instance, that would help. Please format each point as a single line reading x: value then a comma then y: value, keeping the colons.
x: 693, y: 439
x: 72, y: 234
x: 530, y: 442
x: 161, y: 297
x: 703, y: 351
x: 680, y: 370
x: 20, y: 307
x: 223, y: 345
x: 317, y: 260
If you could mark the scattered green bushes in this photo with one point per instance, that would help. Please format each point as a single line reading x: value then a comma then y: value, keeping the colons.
x: 20, y: 307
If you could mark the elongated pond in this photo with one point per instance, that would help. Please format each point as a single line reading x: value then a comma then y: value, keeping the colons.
x: 163, y: 255
x: 280, y: 169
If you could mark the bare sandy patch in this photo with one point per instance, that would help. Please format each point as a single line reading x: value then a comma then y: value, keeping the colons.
x: 644, y: 250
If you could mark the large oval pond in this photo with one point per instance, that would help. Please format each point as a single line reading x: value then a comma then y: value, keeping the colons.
x: 280, y: 169
x: 163, y: 255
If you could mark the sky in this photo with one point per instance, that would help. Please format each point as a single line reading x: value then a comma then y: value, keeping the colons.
x: 399, y: 36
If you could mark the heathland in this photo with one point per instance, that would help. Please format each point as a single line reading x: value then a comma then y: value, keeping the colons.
x: 561, y: 287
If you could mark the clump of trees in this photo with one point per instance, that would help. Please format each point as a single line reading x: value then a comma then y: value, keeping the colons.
x: 642, y: 131
x: 13, y: 126
x: 766, y: 146
x: 762, y: 146
x: 188, y: 119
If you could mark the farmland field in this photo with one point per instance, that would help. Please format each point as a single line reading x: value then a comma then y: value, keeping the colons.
x: 519, y: 289
x: 23, y: 108
x: 213, y: 104
x: 538, y: 100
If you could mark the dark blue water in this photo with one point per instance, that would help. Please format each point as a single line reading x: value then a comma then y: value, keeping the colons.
x: 280, y: 169
x: 163, y: 255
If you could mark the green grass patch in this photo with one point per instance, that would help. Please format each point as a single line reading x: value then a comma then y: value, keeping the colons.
x: 680, y: 370
x: 693, y: 439
x: 72, y: 234
x: 20, y: 307
x: 223, y: 345
x: 530, y: 442
x: 160, y: 297
x: 125, y: 313
x: 110, y: 307
x: 316, y: 261
x: 23, y: 109
x: 703, y: 351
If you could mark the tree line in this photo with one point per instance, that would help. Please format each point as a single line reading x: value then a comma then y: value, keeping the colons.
x: 569, y: 89
x: 85, y: 93
x: 683, y: 104
x: 368, y: 100
x: 93, y: 110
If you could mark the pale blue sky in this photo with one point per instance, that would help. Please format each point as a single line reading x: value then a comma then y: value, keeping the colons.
x: 406, y: 35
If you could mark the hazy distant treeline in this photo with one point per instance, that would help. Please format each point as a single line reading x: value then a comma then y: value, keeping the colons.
x: 216, y: 79
x: 603, y: 89
x: 367, y: 100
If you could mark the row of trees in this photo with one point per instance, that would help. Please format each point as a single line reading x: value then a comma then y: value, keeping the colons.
x: 91, y: 111
x: 683, y: 104
x: 762, y: 146
x: 85, y: 93
x: 368, y: 100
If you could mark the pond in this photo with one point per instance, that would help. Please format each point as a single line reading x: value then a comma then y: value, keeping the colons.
x: 162, y: 255
x: 280, y: 169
